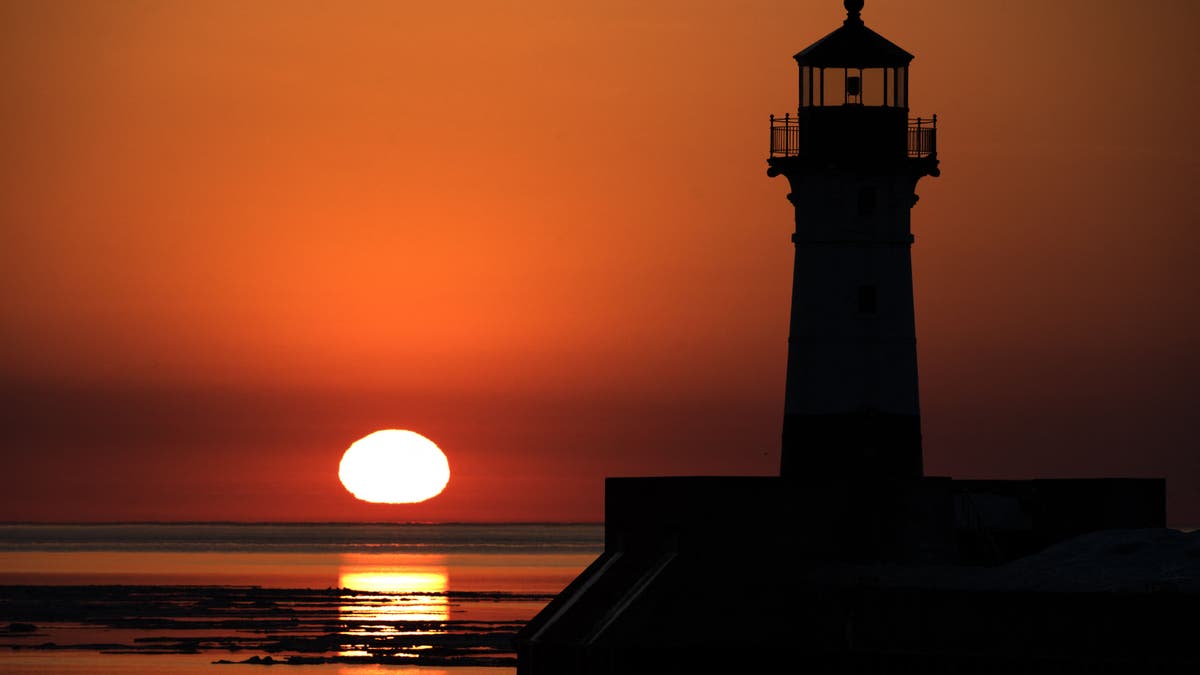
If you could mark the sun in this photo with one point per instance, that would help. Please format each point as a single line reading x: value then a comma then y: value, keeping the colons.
x: 394, y: 466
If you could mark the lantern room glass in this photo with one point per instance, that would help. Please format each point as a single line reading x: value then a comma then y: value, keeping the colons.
x: 876, y: 87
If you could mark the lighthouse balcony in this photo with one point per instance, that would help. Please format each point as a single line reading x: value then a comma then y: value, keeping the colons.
x: 853, y: 131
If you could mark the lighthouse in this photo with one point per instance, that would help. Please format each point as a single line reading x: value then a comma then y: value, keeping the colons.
x: 852, y: 154
x: 851, y: 560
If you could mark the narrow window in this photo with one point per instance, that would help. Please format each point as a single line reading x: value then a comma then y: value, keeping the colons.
x: 867, y: 303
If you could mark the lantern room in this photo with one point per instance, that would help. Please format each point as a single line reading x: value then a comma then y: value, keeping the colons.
x: 853, y: 65
x: 853, y: 100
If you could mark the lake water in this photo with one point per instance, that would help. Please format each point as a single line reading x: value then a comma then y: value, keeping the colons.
x: 347, y: 598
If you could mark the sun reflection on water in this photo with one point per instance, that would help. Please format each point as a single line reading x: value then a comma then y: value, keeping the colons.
x: 400, y: 595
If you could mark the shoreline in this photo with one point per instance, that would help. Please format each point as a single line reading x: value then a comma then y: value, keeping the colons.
x: 266, y: 626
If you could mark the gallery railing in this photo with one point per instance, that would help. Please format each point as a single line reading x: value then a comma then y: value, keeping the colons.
x: 785, y: 136
x: 922, y: 137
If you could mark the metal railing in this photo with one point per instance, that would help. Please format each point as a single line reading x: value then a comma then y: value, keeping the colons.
x: 785, y: 136
x: 922, y: 136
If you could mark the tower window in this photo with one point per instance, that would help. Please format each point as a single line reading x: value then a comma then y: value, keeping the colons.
x: 867, y: 302
x: 866, y: 200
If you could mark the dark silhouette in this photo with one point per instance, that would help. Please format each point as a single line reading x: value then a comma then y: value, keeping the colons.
x: 853, y: 158
x: 852, y: 560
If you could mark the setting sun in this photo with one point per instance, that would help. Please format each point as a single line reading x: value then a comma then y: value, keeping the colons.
x: 393, y: 466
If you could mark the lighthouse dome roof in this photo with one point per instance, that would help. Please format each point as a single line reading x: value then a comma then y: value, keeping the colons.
x: 853, y: 45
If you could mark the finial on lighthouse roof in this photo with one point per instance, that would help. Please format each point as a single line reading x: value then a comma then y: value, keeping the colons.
x: 853, y: 10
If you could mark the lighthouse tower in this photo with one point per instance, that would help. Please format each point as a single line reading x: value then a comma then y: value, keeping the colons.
x: 731, y: 574
x: 852, y: 155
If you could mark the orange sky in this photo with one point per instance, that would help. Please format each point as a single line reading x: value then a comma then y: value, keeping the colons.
x: 238, y: 236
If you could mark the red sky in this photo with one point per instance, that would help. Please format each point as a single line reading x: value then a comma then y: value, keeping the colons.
x: 238, y: 236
